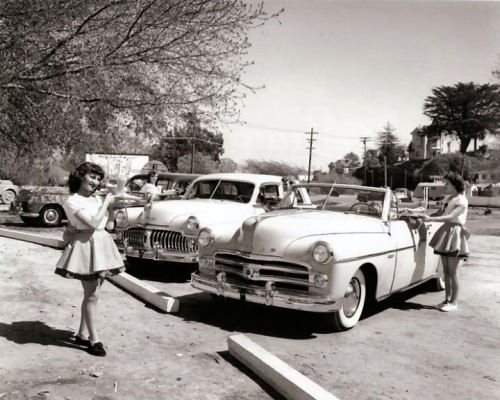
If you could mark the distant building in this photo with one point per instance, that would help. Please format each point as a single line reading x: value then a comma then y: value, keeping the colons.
x: 423, y: 147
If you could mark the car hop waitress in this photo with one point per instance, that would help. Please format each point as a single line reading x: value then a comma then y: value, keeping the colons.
x: 450, y: 240
x: 91, y: 253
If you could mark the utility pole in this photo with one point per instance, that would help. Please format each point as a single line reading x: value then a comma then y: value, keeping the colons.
x: 192, y: 156
x: 310, y: 141
x: 364, y: 139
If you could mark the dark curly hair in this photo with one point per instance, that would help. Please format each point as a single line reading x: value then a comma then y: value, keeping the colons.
x: 456, y: 180
x: 76, y: 177
x: 152, y: 173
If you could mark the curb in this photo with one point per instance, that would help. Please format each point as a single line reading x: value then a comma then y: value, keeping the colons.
x: 147, y: 292
x: 283, y: 378
x: 30, y: 237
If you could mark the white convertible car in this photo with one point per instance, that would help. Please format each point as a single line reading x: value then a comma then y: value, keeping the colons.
x: 330, y: 253
x: 168, y: 230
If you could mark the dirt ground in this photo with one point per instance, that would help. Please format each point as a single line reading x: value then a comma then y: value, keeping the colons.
x: 401, y: 349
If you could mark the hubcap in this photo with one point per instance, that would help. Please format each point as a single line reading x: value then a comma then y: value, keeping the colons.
x: 51, y: 215
x: 351, y: 298
x: 9, y: 196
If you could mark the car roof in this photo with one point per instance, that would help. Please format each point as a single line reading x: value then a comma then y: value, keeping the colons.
x: 169, y: 175
x: 431, y: 184
x: 239, y: 176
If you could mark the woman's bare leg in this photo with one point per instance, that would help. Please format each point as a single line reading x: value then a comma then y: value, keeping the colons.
x: 83, y: 332
x: 91, y: 292
x: 453, y: 264
x: 447, y: 282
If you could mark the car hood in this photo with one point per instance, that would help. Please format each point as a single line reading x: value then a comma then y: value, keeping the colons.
x: 176, y: 212
x: 272, y: 233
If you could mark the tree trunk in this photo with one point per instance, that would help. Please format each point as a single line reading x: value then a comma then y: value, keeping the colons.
x: 464, y: 143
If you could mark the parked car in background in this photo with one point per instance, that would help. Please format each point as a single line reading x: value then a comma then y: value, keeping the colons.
x: 41, y: 205
x: 8, y: 191
x: 168, y: 230
x: 348, y: 245
x: 436, y: 190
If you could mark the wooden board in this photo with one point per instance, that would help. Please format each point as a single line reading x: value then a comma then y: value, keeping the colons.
x: 33, y: 238
x: 147, y: 292
x: 282, y: 377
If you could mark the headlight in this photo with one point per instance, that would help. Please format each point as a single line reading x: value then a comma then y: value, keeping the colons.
x: 322, y: 252
x: 192, y: 223
x: 205, y: 237
x: 120, y: 218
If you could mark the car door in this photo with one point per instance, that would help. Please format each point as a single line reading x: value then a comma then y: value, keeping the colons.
x: 406, y: 238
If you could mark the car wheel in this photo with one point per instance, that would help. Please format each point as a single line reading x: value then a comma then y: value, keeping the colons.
x: 51, y: 216
x: 353, y: 303
x: 8, y: 196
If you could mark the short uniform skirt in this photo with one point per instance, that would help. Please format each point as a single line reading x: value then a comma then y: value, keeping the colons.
x: 451, y: 240
x: 90, y: 255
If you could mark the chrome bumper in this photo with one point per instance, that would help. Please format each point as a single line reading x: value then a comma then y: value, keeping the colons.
x: 267, y: 296
x: 159, y: 255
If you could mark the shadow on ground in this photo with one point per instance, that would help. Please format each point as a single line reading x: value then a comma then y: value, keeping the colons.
x: 240, y: 316
x: 160, y: 272
x: 23, y: 332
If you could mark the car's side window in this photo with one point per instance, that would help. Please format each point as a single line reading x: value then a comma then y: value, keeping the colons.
x: 267, y: 192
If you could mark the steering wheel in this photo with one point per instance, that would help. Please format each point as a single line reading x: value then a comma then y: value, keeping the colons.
x: 242, y: 198
x: 364, y: 208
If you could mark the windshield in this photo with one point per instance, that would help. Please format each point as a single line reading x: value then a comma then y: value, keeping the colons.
x: 351, y: 200
x: 221, y: 190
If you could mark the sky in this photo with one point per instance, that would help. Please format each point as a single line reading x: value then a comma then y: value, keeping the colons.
x: 346, y: 68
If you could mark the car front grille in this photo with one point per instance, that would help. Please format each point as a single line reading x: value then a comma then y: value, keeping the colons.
x: 135, y: 237
x: 170, y: 240
x: 255, y: 272
x: 141, y: 238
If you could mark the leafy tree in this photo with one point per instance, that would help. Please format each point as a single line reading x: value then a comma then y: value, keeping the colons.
x: 272, y: 168
x: 184, y: 140
x: 467, y: 110
x: 71, y: 69
x: 228, y: 165
x: 388, y: 145
x: 203, y: 164
x: 371, y: 158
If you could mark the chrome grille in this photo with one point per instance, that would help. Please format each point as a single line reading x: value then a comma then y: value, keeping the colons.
x: 171, y: 240
x: 135, y: 237
x: 255, y: 272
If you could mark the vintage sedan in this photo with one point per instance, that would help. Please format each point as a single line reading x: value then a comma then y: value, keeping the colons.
x: 349, y: 244
x: 167, y: 230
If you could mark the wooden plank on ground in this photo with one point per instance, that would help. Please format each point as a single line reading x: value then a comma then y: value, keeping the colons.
x: 283, y: 378
x: 147, y: 292
x: 33, y: 238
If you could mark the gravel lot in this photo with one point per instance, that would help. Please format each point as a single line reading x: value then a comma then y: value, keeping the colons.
x: 401, y: 349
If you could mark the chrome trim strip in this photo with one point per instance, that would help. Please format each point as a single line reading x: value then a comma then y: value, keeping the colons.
x: 372, y: 255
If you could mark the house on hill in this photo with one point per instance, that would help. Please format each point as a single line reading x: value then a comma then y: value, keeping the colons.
x: 422, y: 147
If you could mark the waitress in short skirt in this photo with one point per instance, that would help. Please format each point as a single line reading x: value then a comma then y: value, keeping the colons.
x: 90, y: 254
x: 450, y: 240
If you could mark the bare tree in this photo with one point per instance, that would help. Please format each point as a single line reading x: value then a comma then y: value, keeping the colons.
x: 71, y: 66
